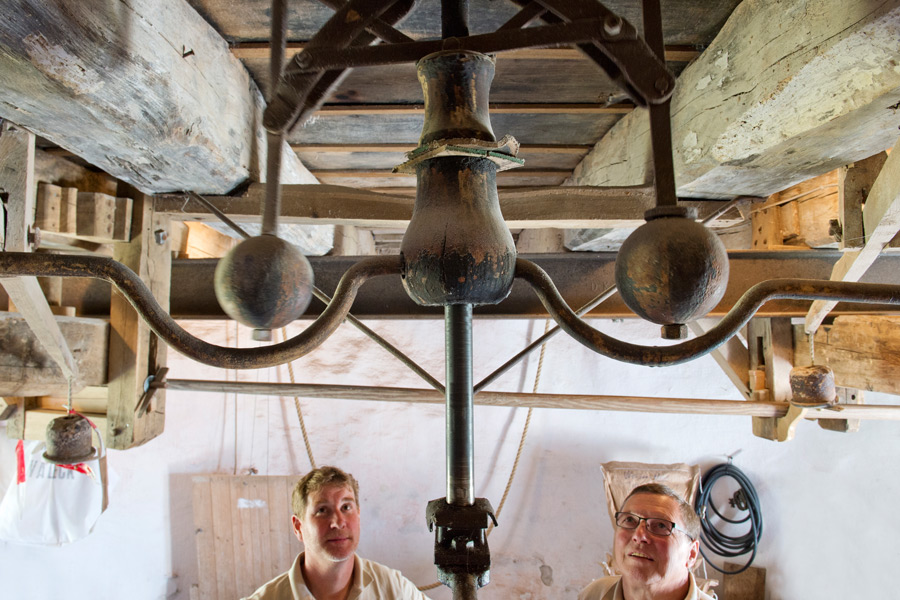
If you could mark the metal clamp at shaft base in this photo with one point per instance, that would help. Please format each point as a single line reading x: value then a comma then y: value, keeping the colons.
x: 460, y: 541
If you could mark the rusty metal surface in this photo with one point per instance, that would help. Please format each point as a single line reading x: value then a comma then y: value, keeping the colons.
x: 264, y: 282
x: 460, y: 547
x: 299, y: 94
x: 672, y: 270
x: 580, y: 277
x: 139, y: 296
x: 457, y: 249
x: 456, y: 87
x: 813, y: 386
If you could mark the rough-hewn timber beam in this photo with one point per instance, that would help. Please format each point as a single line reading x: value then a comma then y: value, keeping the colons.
x: 145, y: 89
x: 560, y: 207
x: 786, y: 91
x: 881, y: 221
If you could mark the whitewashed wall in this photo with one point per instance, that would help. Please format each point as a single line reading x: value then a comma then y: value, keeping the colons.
x: 829, y: 500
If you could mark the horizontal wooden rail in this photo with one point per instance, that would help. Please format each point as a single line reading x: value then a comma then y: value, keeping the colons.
x: 581, y: 402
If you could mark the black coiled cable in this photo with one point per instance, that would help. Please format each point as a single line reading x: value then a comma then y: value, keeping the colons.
x: 745, y: 500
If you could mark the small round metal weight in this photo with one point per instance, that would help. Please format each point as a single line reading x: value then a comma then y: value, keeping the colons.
x: 69, y: 440
x: 264, y: 282
x: 813, y: 386
x: 671, y: 270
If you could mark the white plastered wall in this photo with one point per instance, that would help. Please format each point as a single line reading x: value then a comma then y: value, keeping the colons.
x: 554, y: 530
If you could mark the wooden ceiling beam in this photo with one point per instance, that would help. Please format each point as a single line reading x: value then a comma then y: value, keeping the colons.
x: 781, y: 95
x: 148, y: 92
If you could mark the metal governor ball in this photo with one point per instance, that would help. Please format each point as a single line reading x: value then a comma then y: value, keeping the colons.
x: 672, y: 269
x: 264, y: 282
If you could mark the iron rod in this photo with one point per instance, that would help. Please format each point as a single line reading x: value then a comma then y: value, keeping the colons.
x: 660, y: 119
x: 459, y: 426
x: 454, y: 18
x: 13, y: 264
x: 464, y: 586
x: 607, y: 293
x: 222, y: 216
x: 272, y: 206
x: 393, y: 350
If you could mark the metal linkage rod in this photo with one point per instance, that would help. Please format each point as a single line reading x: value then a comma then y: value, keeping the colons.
x: 737, y: 317
x: 140, y: 297
x: 222, y: 216
x: 597, y: 301
x: 460, y: 430
x: 660, y: 120
x: 393, y: 350
x: 325, y: 298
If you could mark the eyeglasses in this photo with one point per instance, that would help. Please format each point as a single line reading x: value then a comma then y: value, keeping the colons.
x: 657, y: 527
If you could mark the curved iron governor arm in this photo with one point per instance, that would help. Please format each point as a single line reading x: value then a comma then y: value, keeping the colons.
x: 140, y: 297
x: 740, y: 313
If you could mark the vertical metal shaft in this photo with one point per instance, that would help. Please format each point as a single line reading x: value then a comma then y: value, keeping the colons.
x: 274, y: 141
x: 460, y: 431
x: 660, y: 119
x: 464, y: 586
x: 454, y: 18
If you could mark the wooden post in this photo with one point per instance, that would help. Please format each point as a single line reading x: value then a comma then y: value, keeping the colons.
x: 134, y: 351
x: 769, y: 342
x: 732, y: 357
x: 17, y: 179
x: 855, y: 182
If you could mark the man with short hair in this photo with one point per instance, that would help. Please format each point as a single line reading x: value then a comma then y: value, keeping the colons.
x: 325, y: 504
x: 654, y: 549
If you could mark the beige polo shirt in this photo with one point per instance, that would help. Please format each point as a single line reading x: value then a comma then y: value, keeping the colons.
x: 371, y: 581
x: 609, y: 588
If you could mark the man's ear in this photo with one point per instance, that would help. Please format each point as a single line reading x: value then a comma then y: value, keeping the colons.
x: 298, y: 530
x: 693, y: 554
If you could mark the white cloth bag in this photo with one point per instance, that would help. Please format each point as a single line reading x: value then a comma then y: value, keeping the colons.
x: 54, y: 505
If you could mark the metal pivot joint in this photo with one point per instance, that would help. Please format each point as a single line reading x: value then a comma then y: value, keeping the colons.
x: 460, y: 547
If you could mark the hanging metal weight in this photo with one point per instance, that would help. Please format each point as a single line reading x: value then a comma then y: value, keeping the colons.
x: 457, y: 248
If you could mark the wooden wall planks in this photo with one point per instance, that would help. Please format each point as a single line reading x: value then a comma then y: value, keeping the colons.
x: 243, y: 532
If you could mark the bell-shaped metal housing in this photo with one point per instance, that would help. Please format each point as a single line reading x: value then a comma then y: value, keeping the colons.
x: 457, y: 248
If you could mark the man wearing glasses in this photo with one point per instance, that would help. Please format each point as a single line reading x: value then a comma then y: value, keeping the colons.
x: 654, y: 549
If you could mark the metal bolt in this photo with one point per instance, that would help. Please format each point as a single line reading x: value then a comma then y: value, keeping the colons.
x: 161, y: 235
x: 262, y: 335
x: 674, y: 331
x: 302, y: 59
x: 34, y: 236
x: 612, y: 25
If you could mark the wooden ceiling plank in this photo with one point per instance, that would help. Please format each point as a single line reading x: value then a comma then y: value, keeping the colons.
x: 179, y: 115
x: 341, y: 110
x: 531, y: 208
x: 780, y: 96
x: 881, y: 222
x: 261, y: 51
